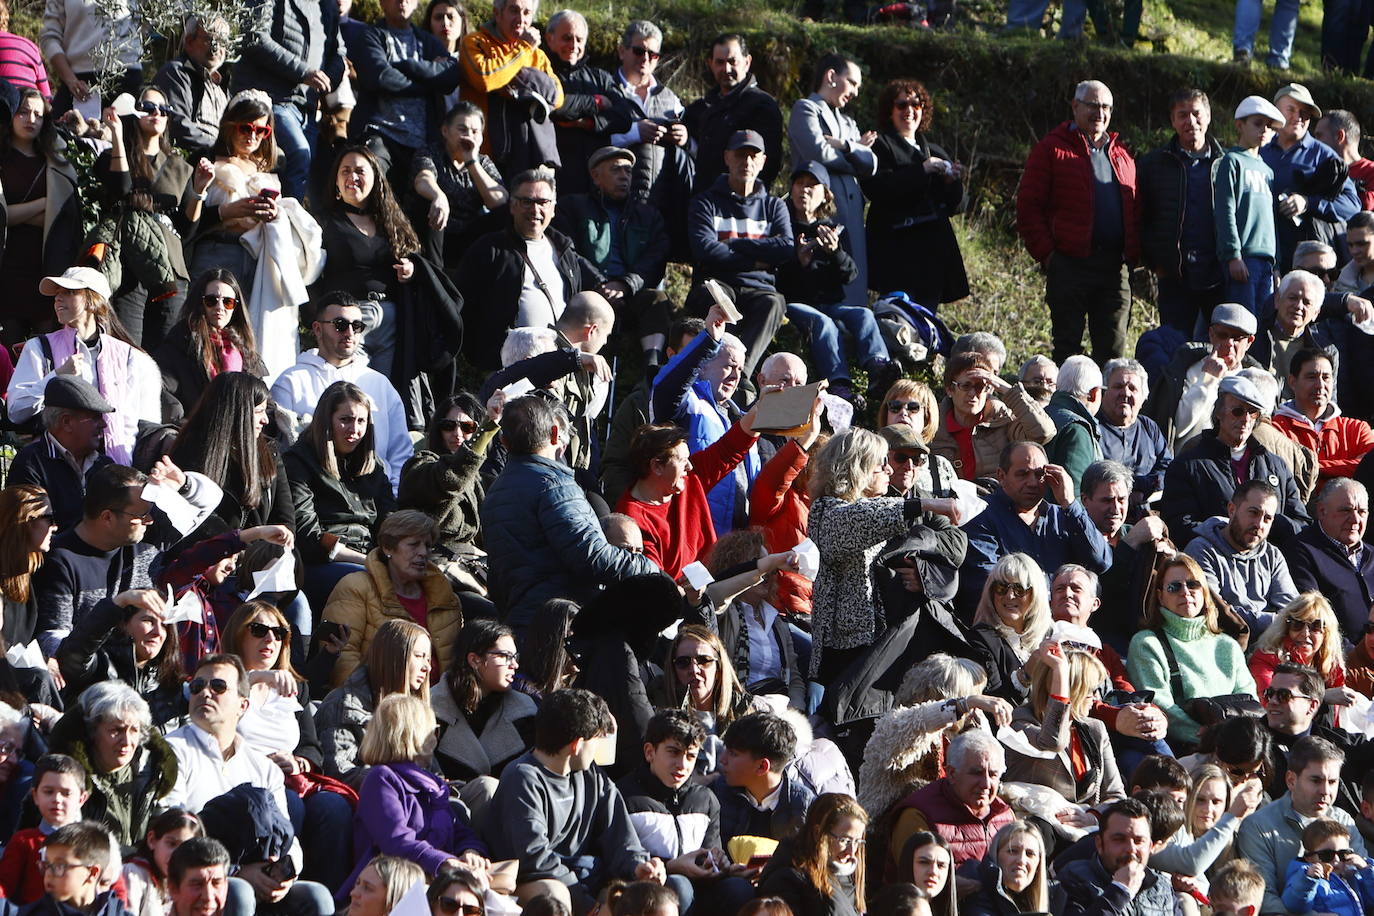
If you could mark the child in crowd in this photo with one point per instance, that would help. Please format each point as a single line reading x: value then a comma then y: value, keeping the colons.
x: 1237, y: 890
x: 1330, y: 877
x: 1246, y: 242
x: 145, y: 875
x: 60, y: 788
x: 74, y: 861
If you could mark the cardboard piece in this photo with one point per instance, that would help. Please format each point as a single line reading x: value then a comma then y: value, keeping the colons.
x: 697, y: 575
x: 722, y: 299
x: 786, y: 412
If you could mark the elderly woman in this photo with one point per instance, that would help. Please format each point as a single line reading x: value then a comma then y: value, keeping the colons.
x: 850, y: 521
x: 132, y: 769
x: 398, y: 583
x: 916, y: 189
x: 1305, y: 632
x: 821, y: 871
x: 1012, y: 620
x: 16, y: 773
x: 913, y: 403
x: 403, y: 807
x: 1014, y: 875
x: 974, y: 427
x: 939, y: 698
x: 1182, y: 654
x: 381, y: 885
x: 456, y: 181
x: 399, y: 660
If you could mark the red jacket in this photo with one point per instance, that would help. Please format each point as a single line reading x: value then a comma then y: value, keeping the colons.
x: 1341, y: 444
x: 19, y: 875
x: 1054, y: 205
x: 782, y: 510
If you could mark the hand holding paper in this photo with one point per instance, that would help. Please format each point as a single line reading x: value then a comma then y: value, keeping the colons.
x: 29, y: 656
x: 697, y: 575
x: 723, y: 301
x: 279, y: 577
x: 179, y: 512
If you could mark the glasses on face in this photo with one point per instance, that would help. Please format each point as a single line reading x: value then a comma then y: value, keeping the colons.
x: 454, y: 907
x: 908, y: 406
x: 8, y: 749
x: 641, y: 51
x: 504, y: 657
x: 972, y: 387
x: 148, y: 107
x: 260, y: 131
x: 144, y: 517
x: 218, y: 686
x: 1240, y: 773
x: 847, y: 843
x: 343, y: 324
x: 1192, y: 585
x: 229, y: 302
x: 1329, y: 274
x: 904, y: 458
x: 467, y: 426
x: 532, y: 202
x: 1244, y: 410
x: 59, y: 869
x: 904, y: 104
x: 685, y: 662
x: 1331, y: 855
x: 1283, y: 695
x: 1311, y: 626
x: 1010, y: 589
x: 260, y: 631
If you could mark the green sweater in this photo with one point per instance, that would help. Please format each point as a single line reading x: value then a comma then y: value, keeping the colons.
x: 1243, y: 206
x: 1210, y: 664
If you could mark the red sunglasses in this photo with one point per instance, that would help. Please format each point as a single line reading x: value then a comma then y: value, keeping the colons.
x: 261, y: 131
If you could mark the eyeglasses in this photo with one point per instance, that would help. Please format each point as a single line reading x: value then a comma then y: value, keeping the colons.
x: 229, y: 302
x: 148, y: 107
x: 8, y: 749
x: 58, y: 869
x: 908, y: 406
x: 505, y: 658
x: 218, y: 686
x: 454, y: 907
x: 1011, y: 589
x: 904, y: 458
x: 1329, y: 274
x: 1331, y: 855
x: 685, y: 662
x: 904, y: 104
x: 972, y: 387
x: 1244, y: 410
x: 467, y: 426
x: 1284, y: 695
x: 144, y: 517
x: 535, y: 201
x: 260, y: 631
x: 847, y: 843
x: 343, y: 324
x: 641, y: 51
x: 261, y: 131
x: 1192, y: 585
x: 1311, y: 626
x: 1241, y: 773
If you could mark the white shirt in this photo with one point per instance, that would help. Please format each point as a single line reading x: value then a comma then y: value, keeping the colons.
x: 537, y: 310
x: 765, y: 658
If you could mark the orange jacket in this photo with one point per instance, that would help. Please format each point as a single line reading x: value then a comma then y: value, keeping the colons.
x: 1340, y: 445
x: 488, y: 62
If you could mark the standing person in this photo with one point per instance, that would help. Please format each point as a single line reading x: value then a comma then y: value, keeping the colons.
x: 20, y: 61
x: 819, y: 131
x: 460, y: 183
x: 1177, y: 232
x: 591, y: 109
x: 75, y: 33
x: 1083, y: 241
x: 193, y: 85
x: 1246, y: 242
x: 734, y: 103
x: 1282, y: 28
x: 1340, y: 130
x: 913, y: 193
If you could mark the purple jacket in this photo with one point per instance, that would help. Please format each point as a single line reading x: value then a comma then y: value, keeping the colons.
x: 403, y: 810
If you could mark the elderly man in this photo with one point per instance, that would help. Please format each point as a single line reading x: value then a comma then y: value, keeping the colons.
x: 735, y: 103
x: 69, y: 449
x: 1240, y: 564
x: 1332, y: 557
x: 1128, y: 436
x: 522, y: 276
x: 1183, y: 400
x: 1309, y: 201
x: 541, y: 534
x: 739, y: 234
x: 1204, y: 477
x: 506, y: 74
x: 1177, y: 231
x: 1292, y: 325
x: 1034, y: 513
x: 1340, y: 130
x: 986, y: 343
x: 1312, y: 418
x: 626, y: 240
x: 193, y: 85
x: 1073, y: 407
x: 1076, y: 214
x: 591, y: 110
x: 1106, y: 494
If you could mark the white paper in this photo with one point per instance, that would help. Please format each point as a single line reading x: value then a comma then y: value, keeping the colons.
x: 970, y: 503
x: 518, y: 388
x: 808, y: 558
x: 838, y: 411
x: 89, y: 109
x: 499, y: 904
x: 1366, y: 326
x: 1018, y: 742
x: 722, y: 299
x: 279, y: 577
x: 123, y: 105
x: 29, y: 656
x: 413, y: 902
x: 697, y: 575
x: 186, y: 609
x: 180, y: 513
x: 1063, y: 631
x: 1356, y: 718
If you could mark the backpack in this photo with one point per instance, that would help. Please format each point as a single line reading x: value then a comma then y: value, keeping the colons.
x: 914, y: 334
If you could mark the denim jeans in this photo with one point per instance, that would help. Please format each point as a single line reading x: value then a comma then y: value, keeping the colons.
x: 1255, y: 290
x: 1282, y: 28
x: 306, y: 898
x: 821, y: 324
x: 1027, y: 14
x: 221, y: 252
x: 1130, y: 751
x: 324, y: 822
x: 295, y: 136
x: 380, y: 336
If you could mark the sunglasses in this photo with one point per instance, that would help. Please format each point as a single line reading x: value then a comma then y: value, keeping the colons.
x: 1009, y: 588
x: 260, y: 631
x: 505, y: 658
x: 1283, y: 695
x: 641, y: 51
x: 467, y: 426
x: 1192, y: 585
x: 261, y: 131
x: 343, y: 324
x: 229, y: 302
x: 1242, y: 773
x: 1311, y: 626
x: 454, y: 907
x: 1330, y: 274
x: 904, y: 458
x: 685, y: 662
x: 904, y: 104
x: 218, y: 686
x: 1331, y: 855
x: 1244, y: 411
x: 908, y: 406
x: 148, y: 107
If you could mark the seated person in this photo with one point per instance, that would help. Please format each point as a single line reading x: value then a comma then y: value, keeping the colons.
x: 1016, y: 870
x: 831, y: 843
x: 1331, y: 557
x: 1128, y: 436
x: 561, y: 817
x: 1241, y: 565
x: 1116, y: 876
x: 755, y: 772
x: 60, y: 788
x: 82, y: 852
x: 1212, y: 814
x: 1292, y: 325
x: 1303, y: 633
x: 1329, y: 878
x: 1312, y: 418
x: 678, y: 821
x: 1012, y: 620
x: 974, y: 426
x: 62, y: 458
x: 698, y: 675
x: 1183, y: 400
x: 1237, y: 888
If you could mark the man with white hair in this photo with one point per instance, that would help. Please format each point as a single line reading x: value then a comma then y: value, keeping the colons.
x: 1182, y: 402
x: 589, y: 114
x: 1292, y: 325
x: 1076, y: 214
x: 1331, y: 556
x: 1128, y: 436
x: 192, y: 84
x: 1073, y: 407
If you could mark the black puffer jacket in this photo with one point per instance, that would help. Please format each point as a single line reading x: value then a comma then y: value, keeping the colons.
x: 1162, y: 188
x: 581, y: 126
x: 712, y: 119
x: 331, y: 509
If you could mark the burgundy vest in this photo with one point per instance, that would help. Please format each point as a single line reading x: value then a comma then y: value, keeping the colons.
x: 968, y: 837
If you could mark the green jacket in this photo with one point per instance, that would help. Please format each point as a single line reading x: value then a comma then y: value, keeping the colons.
x: 1077, y: 441
x: 643, y: 238
x: 1244, y: 206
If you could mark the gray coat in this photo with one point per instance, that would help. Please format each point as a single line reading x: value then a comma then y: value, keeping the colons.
x: 1102, y: 782
x: 461, y: 753
x: 340, y: 723
x: 1272, y: 837
x: 812, y: 120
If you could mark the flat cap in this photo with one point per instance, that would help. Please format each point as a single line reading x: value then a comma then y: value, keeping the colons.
x: 1238, y: 386
x: 609, y: 152
x: 75, y: 393
x: 1234, y: 315
x: 903, y: 436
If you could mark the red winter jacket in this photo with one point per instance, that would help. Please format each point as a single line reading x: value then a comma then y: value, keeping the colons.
x: 1341, y: 444
x: 781, y: 510
x: 1054, y: 205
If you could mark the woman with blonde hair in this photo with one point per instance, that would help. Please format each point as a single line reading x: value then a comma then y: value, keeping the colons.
x: 1083, y: 769
x: 1305, y: 632
x: 1211, y: 817
x: 403, y: 807
x: 1014, y: 874
x: 698, y: 676
x: 914, y: 404
x: 850, y: 521
x: 1182, y: 635
x: 1012, y: 620
x: 381, y: 885
x: 821, y: 871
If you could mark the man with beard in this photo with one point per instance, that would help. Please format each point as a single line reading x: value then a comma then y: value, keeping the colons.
x: 1127, y: 435
x: 736, y: 103
x: 1117, y: 879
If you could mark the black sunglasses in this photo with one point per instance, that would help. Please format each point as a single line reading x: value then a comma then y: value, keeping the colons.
x: 685, y: 662
x: 907, y: 103
x: 641, y: 51
x: 343, y: 324
x: 218, y: 686
x: 448, y: 426
x: 909, y: 406
x: 453, y: 907
x: 229, y: 302
x: 260, y: 631
x: 1331, y: 855
x: 148, y: 107
x: 1179, y: 585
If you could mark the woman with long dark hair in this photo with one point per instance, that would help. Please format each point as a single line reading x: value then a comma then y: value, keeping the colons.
x: 550, y: 664
x: 212, y: 336
x: 483, y: 724
x: 26, y: 530
x: 821, y: 871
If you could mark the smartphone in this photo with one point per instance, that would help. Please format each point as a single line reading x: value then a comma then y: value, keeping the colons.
x: 329, y: 629
x: 269, y: 193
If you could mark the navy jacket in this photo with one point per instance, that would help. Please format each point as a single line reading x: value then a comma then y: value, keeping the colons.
x: 40, y: 464
x: 275, y: 60
x: 1142, y: 448
x: 739, y: 817
x: 1317, y: 564
x: 431, y: 77
x: 731, y: 235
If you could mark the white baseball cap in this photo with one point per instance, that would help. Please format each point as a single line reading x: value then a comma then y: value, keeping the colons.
x: 1255, y: 104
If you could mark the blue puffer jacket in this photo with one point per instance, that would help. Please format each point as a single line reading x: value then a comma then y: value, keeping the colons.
x: 543, y: 540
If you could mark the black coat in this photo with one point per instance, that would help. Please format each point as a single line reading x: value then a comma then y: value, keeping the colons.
x: 781, y: 878
x: 431, y: 77
x: 1162, y: 192
x: 184, y: 374
x: 911, y: 244
x: 1004, y: 662
x: 330, y: 509
x: 98, y: 650
x: 712, y: 119
x: 1317, y: 564
x: 38, y: 464
x: 582, y: 127
x: 429, y: 334
x: 822, y: 281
